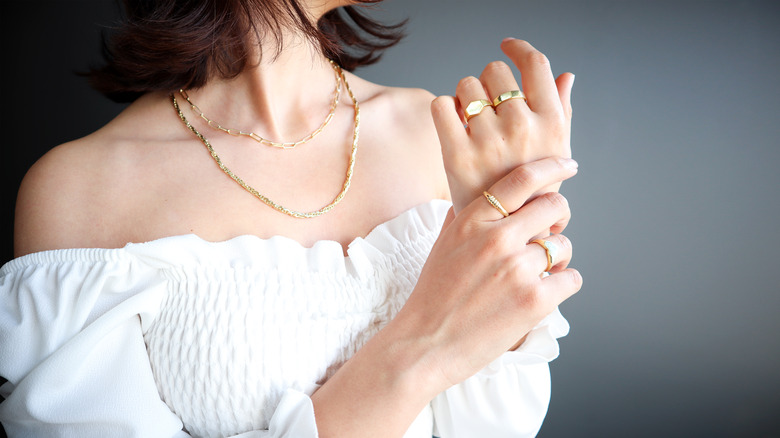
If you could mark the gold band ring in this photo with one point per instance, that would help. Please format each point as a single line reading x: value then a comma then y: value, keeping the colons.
x: 503, y: 97
x: 494, y: 202
x: 550, y: 248
x: 475, y: 107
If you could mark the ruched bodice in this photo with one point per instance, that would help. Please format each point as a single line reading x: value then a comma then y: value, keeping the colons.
x: 243, y: 320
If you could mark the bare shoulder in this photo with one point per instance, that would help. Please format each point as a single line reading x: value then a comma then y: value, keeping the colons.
x: 77, y: 193
x: 56, y: 199
x: 403, y: 120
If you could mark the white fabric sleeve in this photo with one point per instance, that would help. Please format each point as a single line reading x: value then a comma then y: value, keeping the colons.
x: 293, y: 418
x: 509, y: 398
x: 72, y: 349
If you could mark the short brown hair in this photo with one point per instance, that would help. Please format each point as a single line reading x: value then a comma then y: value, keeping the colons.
x: 172, y: 44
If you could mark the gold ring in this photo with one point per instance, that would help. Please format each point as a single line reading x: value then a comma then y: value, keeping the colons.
x: 494, y: 202
x: 550, y: 249
x: 503, y: 97
x: 475, y: 107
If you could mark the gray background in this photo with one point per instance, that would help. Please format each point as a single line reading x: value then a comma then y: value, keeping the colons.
x: 677, y: 132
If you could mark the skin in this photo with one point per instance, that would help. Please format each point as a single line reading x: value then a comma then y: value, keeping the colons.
x: 144, y: 176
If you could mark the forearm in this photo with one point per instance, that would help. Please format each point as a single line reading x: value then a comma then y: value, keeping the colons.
x: 380, y: 390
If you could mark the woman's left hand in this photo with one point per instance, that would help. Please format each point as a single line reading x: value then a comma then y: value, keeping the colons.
x: 499, y: 139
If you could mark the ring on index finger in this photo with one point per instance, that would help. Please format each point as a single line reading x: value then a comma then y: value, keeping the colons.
x: 475, y: 107
x: 503, y: 97
x: 495, y: 203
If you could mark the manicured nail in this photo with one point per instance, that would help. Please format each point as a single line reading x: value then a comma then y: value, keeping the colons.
x: 507, y: 39
x: 570, y: 163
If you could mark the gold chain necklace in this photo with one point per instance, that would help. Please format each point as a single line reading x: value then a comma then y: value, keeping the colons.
x: 266, y: 200
x: 283, y: 145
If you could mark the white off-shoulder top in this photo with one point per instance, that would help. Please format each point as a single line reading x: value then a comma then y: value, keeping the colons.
x: 184, y: 337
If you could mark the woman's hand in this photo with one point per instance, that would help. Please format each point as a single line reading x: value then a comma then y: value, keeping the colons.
x: 479, y: 292
x: 516, y: 132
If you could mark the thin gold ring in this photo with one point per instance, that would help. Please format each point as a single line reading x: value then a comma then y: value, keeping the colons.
x: 503, y: 97
x: 494, y: 202
x: 475, y: 107
x: 550, y: 248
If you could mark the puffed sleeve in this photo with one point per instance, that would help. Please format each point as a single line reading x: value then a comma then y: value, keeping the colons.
x: 72, y: 349
x: 508, y: 398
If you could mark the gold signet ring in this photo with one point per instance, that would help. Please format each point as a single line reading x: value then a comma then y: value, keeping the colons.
x: 550, y: 248
x: 475, y: 107
x: 494, y: 202
x: 503, y: 97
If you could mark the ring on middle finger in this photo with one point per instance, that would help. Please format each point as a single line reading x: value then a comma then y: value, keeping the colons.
x: 503, y: 97
x: 475, y: 107
x: 551, y: 249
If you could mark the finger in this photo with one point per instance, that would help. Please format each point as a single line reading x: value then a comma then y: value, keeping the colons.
x: 537, y: 255
x: 516, y: 188
x: 559, y: 286
x: 497, y: 78
x: 536, y: 74
x: 540, y: 214
x: 558, y: 227
x: 448, y: 123
x: 565, y: 83
x: 469, y: 90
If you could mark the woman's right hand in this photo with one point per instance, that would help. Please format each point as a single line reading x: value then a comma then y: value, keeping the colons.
x: 481, y: 289
x: 479, y: 292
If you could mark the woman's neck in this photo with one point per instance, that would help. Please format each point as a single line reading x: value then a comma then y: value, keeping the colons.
x: 283, y: 98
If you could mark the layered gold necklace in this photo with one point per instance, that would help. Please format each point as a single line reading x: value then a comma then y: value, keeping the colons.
x: 258, y: 195
x: 283, y: 145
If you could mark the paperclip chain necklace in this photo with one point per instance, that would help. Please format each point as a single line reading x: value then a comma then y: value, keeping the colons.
x: 265, y: 199
x: 283, y: 145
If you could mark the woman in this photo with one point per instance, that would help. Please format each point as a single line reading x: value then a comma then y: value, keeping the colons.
x: 153, y: 296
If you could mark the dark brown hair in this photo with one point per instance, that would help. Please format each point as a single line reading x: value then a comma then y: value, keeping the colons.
x: 171, y: 44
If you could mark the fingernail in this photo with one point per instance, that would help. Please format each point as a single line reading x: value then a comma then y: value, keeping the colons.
x: 507, y: 39
x: 573, y: 77
x: 570, y: 163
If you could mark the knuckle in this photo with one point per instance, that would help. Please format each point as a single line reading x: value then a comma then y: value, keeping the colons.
x: 497, y: 67
x: 467, y: 82
x: 556, y: 200
x: 564, y: 242
x: 490, y: 248
x: 528, y: 299
x: 502, y: 239
x: 524, y: 177
x: 465, y: 230
x: 440, y: 105
x: 537, y: 58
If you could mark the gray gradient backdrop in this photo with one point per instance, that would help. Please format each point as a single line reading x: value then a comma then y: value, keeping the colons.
x: 676, y: 129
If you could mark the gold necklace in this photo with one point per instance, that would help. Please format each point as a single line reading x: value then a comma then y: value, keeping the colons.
x: 283, y: 145
x: 266, y: 200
